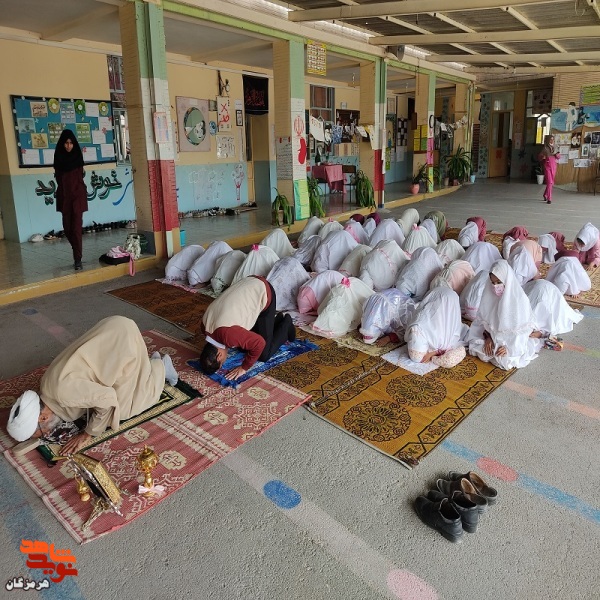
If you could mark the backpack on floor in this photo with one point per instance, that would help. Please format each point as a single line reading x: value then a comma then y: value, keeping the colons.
x: 133, y: 245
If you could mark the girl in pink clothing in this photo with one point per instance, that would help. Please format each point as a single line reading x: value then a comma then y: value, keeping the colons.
x: 587, y: 243
x: 549, y: 158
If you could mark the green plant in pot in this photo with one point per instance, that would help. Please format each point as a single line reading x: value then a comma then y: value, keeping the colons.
x: 365, y: 195
x: 459, y: 165
x: 422, y: 178
x: 315, y: 203
x: 281, y: 210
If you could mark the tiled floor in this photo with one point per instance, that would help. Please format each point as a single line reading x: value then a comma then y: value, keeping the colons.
x: 28, y: 263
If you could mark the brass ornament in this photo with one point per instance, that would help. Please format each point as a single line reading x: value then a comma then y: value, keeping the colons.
x: 147, y: 460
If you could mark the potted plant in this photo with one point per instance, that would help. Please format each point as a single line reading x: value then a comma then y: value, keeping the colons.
x: 459, y: 166
x: 420, y: 177
x: 539, y: 174
x: 365, y: 195
x: 315, y: 204
x: 281, y: 210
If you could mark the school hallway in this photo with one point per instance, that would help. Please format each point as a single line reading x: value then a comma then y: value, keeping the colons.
x: 354, y: 535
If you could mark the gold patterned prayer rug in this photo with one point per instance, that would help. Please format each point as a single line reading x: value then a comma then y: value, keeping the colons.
x: 187, y: 439
x: 396, y: 412
x: 353, y: 339
x: 173, y: 304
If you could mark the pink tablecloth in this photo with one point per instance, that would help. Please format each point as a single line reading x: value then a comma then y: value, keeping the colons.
x: 332, y: 174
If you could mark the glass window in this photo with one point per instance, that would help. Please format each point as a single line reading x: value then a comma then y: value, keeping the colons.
x: 122, y: 147
x: 538, y: 123
x: 503, y: 101
x: 322, y: 102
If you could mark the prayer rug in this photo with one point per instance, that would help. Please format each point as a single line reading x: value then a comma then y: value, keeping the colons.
x: 201, y: 288
x: 353, y: 339
x: 187, y: 440
x: 235, y: 358
x: 402, y: 415
x: 173, y: 304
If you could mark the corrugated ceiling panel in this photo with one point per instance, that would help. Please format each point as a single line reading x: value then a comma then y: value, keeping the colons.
x: 487, y: 20
x: 443, y: 49
x: 531, y: 47
x: 559, y: 14
x: 483, y: 48
x: 580, y: 45
x: 430, y: 23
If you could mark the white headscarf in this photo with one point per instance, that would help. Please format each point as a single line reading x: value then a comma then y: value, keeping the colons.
x: 312, y: 227
x: 332, y: 251
x: 278, y: 241
x: 449, y: 250
x: 306, y: 251
x: 418, y: 237
x: 552, y: 314
x: 507, y: 244
x: 569, y: 276
x: 350, y: 266
x: 522, y: 264
x: 314, y: 291
x: 178, y: 265
x: 431, y: 229
x: 482, y: 255
x: 416, y: 275
x: 407, y: 219
x: 388, y: 229
x: 330, y: 226
x: 357, y: 232
x: 286, y: 277
x: 589, y: 235
x: 455, y: 276
x: 24, y: 415
x: 436, y: 323
x: 260, y: 261
x: 369, y: 227
x: 548, y: 244
x: 470, y: 297
x: 380, y: 267
x: 226, y: 267
x: 386, y: 312
x: 468, y: 235
x: 205, y: 266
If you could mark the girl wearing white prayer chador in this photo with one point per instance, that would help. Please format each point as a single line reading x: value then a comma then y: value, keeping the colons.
x: 470, y: 297
x: 312, y: 227
x: 342, y: 308
x: 418, y: 237
x: 449, y: 250
x: 407, y: 219
x: 357, y: 232
x: 332, y: 251
x: 226, y: 268
x: 286, y: 277
x: 435, y: 332
x: 386, y: 313
x: 431, y: 229
x: 468, y: 235
x: 330, y: 226
x: 379, y: 269
x: 548, y: 244
x: 350, y: 266
x: 205, y: 266
x: 482, y: 255
x: 314, y: 291
x: 306, y: 252
x: 278, y: 241
x: 552, y: 314
x: 178, y: 265
x: 569, y: 276
x: 369, y: 226
x: 522, y: 264
x: 501, y: 332
x: 260, y: 261
x: 507, y: 245
x: 388, y: 229
x: 455, y: 276
x: 415, y: 277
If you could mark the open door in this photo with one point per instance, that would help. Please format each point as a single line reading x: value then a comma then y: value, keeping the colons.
x: 500, y: 144
x: 258, y: 159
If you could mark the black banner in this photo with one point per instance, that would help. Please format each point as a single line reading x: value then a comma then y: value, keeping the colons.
x: 256, y: 95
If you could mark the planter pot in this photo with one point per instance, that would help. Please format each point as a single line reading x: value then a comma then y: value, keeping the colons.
x: 455, y: 182
x: 540, y: 179
x: 414, y: 188
x: 472, y: 178
x: 276, y: 214
x: 446, y: 181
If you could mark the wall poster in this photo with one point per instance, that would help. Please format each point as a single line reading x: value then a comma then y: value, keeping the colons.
x: 192, y: 124
x: 40, y: 121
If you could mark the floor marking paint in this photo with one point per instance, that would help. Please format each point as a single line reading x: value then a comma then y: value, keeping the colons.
x: 589, y: 313
x: 365, y: 562
x: 55, y: 330
x: 20, y: 523
x: 582, y: 409
x: 505, y: 473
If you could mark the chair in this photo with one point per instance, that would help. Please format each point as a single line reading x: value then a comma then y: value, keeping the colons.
x: 351, y: 183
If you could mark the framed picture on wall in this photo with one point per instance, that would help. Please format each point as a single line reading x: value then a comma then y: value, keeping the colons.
x: 239, y: 118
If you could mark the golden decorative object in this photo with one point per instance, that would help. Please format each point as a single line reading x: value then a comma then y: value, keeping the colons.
x: 82, y: 489
x: 146, y: 461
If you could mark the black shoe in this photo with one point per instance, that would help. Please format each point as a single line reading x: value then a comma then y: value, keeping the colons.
x: 468, y: 511
x: 483, y: 489
x: 448, y: 487
x: 441, y: 516
x: 78, y: 266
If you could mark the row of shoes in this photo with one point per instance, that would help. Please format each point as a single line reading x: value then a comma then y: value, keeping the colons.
x: 209, y: 212
x: 456, y: 505
x: 97, y: 227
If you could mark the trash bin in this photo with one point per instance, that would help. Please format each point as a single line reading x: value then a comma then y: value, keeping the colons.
x: 182, y: 237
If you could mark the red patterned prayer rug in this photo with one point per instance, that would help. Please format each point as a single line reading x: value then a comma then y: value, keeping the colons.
x: 187, y: 440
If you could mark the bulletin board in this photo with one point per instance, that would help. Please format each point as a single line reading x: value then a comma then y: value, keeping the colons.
x: 40, y: 121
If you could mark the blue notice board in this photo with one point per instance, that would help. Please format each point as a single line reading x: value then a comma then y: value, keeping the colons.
x: 40, y: 121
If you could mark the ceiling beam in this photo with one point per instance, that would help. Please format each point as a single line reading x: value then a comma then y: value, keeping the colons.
x: 403, y: 7
x: 64, y: 31
x: 220, y: 54
x: 345, y: 64
x: 516, y: 71
x: 516, y: 58
x: 562, y: 33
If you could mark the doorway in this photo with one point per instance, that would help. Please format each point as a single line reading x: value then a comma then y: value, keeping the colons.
x: 500, y: 142
x: 258, y: 161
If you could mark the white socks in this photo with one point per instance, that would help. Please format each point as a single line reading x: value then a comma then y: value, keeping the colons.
x: 171, y: 376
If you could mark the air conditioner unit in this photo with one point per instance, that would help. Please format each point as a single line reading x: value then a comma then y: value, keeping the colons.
x: 397, y: 51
